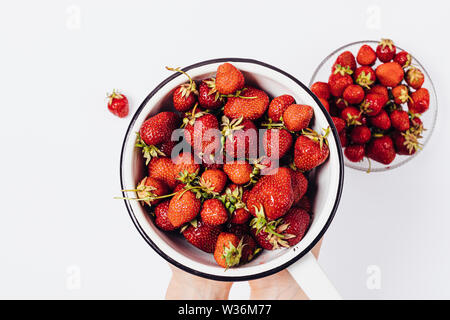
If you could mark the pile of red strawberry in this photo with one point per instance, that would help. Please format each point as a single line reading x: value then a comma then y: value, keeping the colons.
x: 237, y: 203
x: 366, y: 103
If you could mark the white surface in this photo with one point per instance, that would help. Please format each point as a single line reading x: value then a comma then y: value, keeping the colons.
x: 60, y: 146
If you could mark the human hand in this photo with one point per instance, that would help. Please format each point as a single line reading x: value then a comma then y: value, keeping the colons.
x: 186, y: 286
x: 280, y: 286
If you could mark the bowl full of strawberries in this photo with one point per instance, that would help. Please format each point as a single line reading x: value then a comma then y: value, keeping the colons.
x: 382, y: 101
x: 231, y: 169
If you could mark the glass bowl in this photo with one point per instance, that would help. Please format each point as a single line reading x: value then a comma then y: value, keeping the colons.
x: 428, y: 118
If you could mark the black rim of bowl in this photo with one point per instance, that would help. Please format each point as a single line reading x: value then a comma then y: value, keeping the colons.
x: 300, y: 254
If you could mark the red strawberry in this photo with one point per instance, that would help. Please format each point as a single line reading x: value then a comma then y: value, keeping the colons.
x: 213, y: 212
x: 214, y: 180
x: 355, y: 152
x: 403, y: 58
x: 338, y: 83
x: 304, y: 204
x: 278, y: 105
x: 389, y: 74
x: 163, y: 169
x: 234, y: 199
x: 386, y: 50
x: 311, y: 150
x: 360, y: 134
x: 158, y: 129
x: 284, y: 232
x: 202, y: 236
x: 299, y: 185
x: 184, y: 206
x: 381, y: 149
x: 353, y: 94
x: 185, y: 161
x: 400, y: 120
x: 380, y: 89
x: 149, y: 190
x: 345, y: 63
x: 321, y: 90
x: 239, y: 171
x: 161, y: 219
x: 203, y: 134
x: 400, y: 94
x: 325, y: 104
x: 228, y: 250
x: 208, y: 96
x: 339, y: 124
x: 229, y: 79
x: 414, y: 77
x: 381, y: 120
x: 366, y: 56
x: 365, y: 76
x: 249, y: 249
x: 250, y: 104
x: 373, y: 103
x: 118, y: 104
x: 341, y: 103
x: 272, y: 195
x: 277, y: 142
x: 352, y: 116
x: 420, y: 101
x: 184, y: 96
x: 406, y: 143
x: 241, y: 138
x: 297, y: 117
x: 343, y: 139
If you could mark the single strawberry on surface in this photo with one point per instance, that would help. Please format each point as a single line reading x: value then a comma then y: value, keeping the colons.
x: 202, y: 236
x: 278, y: 105
x: 297, y: 117
x: 403, y: 58
x: 228, y: 250
x: 386, y: 50
x: 213, y: 212
x: 118, y: 104
x: 311, y: 150
x: 414, y: 78
x: 366, y: 56
x: 381, y: 149
x: 419, y: 102
x: 355, y: 152
x: 251, y: 104
x: 183, y: 207
x: 389, y: 74
x: 229, y: 79
x: 161, y: 218
x: 321, y: 90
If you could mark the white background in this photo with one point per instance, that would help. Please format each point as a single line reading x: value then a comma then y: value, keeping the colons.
x: 60, y: 146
